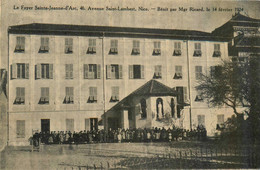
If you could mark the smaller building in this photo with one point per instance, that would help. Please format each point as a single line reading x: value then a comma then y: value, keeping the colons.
x: 152, y: 105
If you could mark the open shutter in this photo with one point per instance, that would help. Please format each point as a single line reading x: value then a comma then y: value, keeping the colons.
x: 87, y: 124
x: 185, y: 94
x: 108, y: 71
x: 38, y: 71
x: 71, y: 71
x: 22, y: 93
x: 47, y: 94
x: 131, y: 72
x: 27, y: 71
x: 51, y: 71
x: 66, y: 71
x: 95, y: 93
x: 120, y: 71
x: 86, y: 71
x: 98, y: 71
x: 142, y: 71
x: 18, y: 92
x: 14, y: 71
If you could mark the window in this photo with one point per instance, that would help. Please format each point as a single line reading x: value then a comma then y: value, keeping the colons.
x: 178, y: 72
x: 157, y: 48
x: 20, y: 71
x: 136, y: 47
x: 157, y: 72
x: 114, y: 94
x: 182, y: 96
x: 199, y: 97
x: 20, y: 45
x: 68, y: 71
x: 44, y: 71
x: 216, y: 52
x: 220, y: 121
x: 69, y: 98
x: 201, y: 120
x: 20, y: 95
x: 70, y: 125
x: 44, y: 95
x: 93, y: 123
x: 92, y: 95
x: 215, y: 71
x: 44, y: 48
x: 114, y: 71
x: 177, y: 49
x: 92, y: 71
x: 20, y: 128
x: 198, y: 72
x: 113, y: 47
x: 197, y: 50
x: 68, y: 45
x: 143, y: 108
x: 91, y: 46
x: 136, y: 71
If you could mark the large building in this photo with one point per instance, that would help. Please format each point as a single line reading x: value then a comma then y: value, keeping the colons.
x: 67, y: 77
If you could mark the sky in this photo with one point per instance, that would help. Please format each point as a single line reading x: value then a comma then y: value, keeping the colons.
x: 179, y: 19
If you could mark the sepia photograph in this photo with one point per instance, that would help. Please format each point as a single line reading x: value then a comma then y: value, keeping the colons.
x: 129, y: 84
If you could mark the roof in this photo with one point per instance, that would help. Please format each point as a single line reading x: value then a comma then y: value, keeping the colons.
x: 86, y: 30
x: 242, y: 18
x: 151, y: 88
x: 237, y: 20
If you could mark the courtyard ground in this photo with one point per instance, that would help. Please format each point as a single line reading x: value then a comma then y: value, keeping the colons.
x: 174, y: 155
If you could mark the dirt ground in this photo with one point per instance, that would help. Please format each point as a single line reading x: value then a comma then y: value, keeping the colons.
x: 172, y: 155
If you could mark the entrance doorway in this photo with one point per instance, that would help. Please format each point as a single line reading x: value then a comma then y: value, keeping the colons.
x: 45, y: 125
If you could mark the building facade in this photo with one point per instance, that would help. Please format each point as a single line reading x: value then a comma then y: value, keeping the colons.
x: 65, y: 77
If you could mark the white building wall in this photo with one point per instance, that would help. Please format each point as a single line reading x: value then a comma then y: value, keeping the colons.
x: 32, y: 112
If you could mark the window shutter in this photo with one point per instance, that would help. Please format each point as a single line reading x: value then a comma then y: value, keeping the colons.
x: 22, y: 41
x: 38, y: 71
x: 98, y: 71
x: 66, y: 71
x: 14, y: 71
x: 22, y: 92
x: 199, y: 46
x: 71, y: 71
x: 185, y: 94
x: 20, y: 128
x: 71, y: 91
x: 108, y: 71
x: 87, y: 124
x: 67, y: 91
x: 18, y: 92
x: 47, y: 93
x: 120, y: 71
x: 142, y: 71
x: 131, y: 72
x: 51, y: 71
x: 27, y: 71
x: 86, y: 71
x: 95, y: 93
x: 117, y: 92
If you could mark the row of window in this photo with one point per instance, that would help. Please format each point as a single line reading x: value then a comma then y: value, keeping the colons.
x: 69, y: 95
x: 92, y: 98
x: 44, y: 47
x: 93, y: 71
x: 90, y: 124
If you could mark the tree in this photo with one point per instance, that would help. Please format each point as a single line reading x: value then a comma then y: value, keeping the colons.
x: 237, y: 85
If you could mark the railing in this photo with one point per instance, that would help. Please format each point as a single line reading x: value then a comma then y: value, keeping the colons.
x: 181, y: 159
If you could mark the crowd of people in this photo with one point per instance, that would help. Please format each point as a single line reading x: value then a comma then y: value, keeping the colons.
x: 119, y: 135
